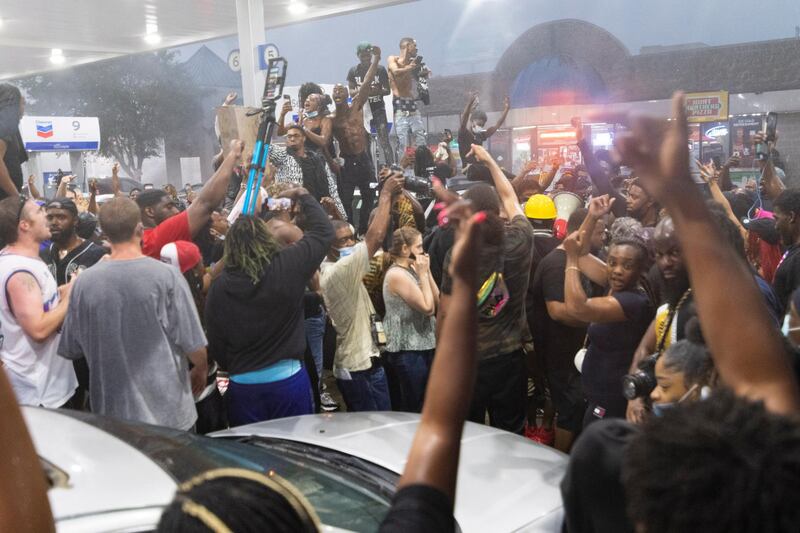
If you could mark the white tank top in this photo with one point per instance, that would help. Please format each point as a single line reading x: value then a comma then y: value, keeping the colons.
x: 38, y: 375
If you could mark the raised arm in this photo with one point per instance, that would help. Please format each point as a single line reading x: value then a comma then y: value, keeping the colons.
x: 433, y: 459
x: 468, y: 110
x: 285, y: 110
x: 213, y: 193
x: 579, y: 306
x: 25, y: 506
x: 508, y: 198
x: 366, y: 86
x: 6, y: 184
x: 506, y: 108
x: 325, y: 131
x: 598, y: 175
x: 92, y: 197
x: 748, y: 352
x: 376, y: 231
x: 32, y: 190
x: 115, y: 188
x: 61, y: 192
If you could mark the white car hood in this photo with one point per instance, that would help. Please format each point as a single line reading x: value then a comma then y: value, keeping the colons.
x: 105, y: 473
x: 505, y: 482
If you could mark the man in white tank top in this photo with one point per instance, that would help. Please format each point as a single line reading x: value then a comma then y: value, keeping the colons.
x: 32, y: 309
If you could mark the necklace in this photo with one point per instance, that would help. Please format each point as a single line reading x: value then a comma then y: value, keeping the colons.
x: 665, y: 328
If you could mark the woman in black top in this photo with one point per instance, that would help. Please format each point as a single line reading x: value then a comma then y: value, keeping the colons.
x: 12, y: 151
x: 616, y: 321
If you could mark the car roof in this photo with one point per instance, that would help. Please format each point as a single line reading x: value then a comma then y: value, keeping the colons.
x: 505, y: 482
x: 104, y: 472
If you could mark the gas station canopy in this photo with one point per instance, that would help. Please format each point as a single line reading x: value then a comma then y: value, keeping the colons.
x: 41, y: 35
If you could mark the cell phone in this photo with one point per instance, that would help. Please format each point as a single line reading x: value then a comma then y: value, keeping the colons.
x: 279, y: 204
x: 762, y: 149
x: 772, y: 126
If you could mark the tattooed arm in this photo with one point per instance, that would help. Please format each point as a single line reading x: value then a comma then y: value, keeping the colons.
x: 25, y: 300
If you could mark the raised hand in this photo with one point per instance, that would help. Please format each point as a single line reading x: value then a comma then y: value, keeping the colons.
x: 578, y: 126
x: 230, y: 98
x: 422, y: 264
x: 480, y: 154
x: 506, y: 103
x: 468, y: 241
x: 393, y: 184
x: 659, y: 152
x: 573, y: 244
x: 287, y: 107
x: 600, y: 206
x: 93, y: 187
x: 236, y: 148
x: 376, y: 53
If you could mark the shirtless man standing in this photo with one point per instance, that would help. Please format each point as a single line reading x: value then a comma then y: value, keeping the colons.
x: 406, y: 115
x: 348, y: 128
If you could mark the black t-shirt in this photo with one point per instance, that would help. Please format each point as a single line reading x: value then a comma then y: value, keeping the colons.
x: 14, y: 157
x: 787, y: 277
x: 612, y: 345
x: 592, y: 489
x: 554, y: 341
x: 315, y: 179
x: 82, y: 257
x: 421, y: 509
x: 503, y: 333
x: 356, y: 75
x: 440, y: 244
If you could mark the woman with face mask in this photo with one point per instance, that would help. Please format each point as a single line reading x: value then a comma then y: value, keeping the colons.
x: 684, y: 373
x: 317, y: 125
x: 411, y: 297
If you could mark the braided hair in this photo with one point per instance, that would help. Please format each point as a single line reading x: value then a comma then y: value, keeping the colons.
x: 231, y: 500
x: 249, y: 247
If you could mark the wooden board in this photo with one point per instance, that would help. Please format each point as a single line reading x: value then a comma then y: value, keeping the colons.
x: 235, y: 124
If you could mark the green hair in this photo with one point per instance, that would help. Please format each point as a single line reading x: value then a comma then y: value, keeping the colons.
x: 249, y: 247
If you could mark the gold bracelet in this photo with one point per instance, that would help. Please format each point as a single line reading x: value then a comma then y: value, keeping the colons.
x: 572, y: 268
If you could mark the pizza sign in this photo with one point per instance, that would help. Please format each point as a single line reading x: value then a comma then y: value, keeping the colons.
x: 707, y: 107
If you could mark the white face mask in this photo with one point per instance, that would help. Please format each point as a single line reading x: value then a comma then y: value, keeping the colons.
x: 477, y: 130
x: 312, y: 114
x: 660, y: 408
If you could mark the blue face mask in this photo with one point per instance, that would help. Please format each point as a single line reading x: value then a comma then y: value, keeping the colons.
x: 660, y: 408
x: 312, y: 114
x: 344, y: 252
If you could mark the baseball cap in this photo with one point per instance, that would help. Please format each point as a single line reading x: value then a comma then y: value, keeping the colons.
x: 63, y: 203
x: 363, y: 46
x: 183, y: 255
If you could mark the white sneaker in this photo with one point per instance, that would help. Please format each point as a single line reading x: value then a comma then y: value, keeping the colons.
x: 327, y: 402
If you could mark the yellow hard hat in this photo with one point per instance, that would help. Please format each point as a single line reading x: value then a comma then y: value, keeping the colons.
x: 540, y: 207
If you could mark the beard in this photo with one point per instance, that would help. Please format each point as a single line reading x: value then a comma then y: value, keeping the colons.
x: 674, y: 289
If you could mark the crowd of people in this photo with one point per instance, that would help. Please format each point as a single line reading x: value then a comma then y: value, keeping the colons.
x: 640, y: 332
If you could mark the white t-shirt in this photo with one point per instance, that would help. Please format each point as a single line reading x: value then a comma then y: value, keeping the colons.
x: 36, y: 372
x: 350, y: 308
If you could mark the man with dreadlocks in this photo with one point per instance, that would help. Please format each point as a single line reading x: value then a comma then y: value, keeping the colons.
x: 254, y: 314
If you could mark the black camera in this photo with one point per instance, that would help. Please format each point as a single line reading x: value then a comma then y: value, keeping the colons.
x: 415, y: 184
x: 421, y: 186
x: 421, y: 72
x: 642, y: 382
